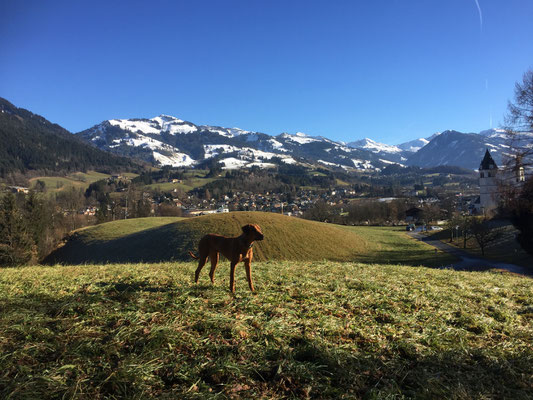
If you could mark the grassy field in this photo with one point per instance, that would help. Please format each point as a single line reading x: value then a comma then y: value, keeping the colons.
x: 287, y: 238
x: 192, y: 179
x: 79, y: 180
x: 313, y: 330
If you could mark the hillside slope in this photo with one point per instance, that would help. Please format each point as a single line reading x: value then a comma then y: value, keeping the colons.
x: 30, y: 142
x: 286, y: 238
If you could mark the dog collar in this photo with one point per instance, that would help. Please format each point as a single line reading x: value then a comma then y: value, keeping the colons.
x: 251, y: 245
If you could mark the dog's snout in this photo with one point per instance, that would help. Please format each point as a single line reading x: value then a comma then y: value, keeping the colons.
x: 261, y: 237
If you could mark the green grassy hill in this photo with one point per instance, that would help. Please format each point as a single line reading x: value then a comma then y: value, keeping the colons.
x: 313, y: 330
x: 286, y: 238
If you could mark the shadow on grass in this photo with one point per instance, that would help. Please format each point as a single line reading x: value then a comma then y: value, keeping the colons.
x: 405, y: 256
x: 172, y: 242
x: 296, y: 366
x: 397, y: 373
x: 160, y: 244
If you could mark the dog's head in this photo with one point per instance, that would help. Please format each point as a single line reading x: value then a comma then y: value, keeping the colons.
x: 253, y: 231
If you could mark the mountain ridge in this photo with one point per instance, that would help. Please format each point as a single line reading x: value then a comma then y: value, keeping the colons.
x: 169, y: 140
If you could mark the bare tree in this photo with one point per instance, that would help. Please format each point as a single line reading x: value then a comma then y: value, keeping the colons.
x: 519, y: 123
x: 518, y: 198
x: 484, y: 233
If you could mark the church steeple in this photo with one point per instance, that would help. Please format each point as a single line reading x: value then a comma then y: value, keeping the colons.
x: 488, y: 184
x: 487, y: 162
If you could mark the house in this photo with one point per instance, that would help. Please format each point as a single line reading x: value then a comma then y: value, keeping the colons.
x: 19, y: 189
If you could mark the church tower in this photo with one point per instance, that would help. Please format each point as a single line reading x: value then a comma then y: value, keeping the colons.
x: 488, y: 185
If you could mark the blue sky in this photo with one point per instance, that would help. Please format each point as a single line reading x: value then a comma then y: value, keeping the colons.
x: 384, y: 69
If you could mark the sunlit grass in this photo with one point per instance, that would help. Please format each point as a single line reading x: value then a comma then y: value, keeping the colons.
x: 314, y: 329
x: 286, y: 238
x: 77, y: 180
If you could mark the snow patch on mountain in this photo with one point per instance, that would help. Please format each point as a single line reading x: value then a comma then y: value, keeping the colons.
x: 277, y: 145
x: 494, y: 133
x: 374, y: 147
x: 330, y: 164
x: 299, y: 137
x: 390, y: 162
x: 175, y: 160
x: 414, y: 145
x: 236, y: 163
x: 212, y: 150
x: 362, y: 164
x: 147, y: 126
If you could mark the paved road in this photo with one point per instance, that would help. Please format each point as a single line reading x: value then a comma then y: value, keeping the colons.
x: 468, y: 262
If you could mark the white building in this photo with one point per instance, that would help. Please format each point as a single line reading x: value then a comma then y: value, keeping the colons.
x: 488, y: 184
x: 492, y: 180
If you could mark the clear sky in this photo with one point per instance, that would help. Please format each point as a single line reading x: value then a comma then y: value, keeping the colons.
x: 385, y: 69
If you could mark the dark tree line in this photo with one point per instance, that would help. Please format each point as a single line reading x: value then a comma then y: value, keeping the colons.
x: 30, y: 142
x: 31, y: 226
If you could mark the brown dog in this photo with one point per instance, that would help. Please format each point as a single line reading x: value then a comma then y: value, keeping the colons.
x: 235, y: 249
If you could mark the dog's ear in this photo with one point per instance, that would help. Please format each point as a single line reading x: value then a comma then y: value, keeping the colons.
x: 246, y: 228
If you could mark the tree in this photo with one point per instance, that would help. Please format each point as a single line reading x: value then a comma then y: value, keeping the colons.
x: 519, y: 122
x: 465, y: 226
x: 16, y: 244
x: 484, y: 233
x: 319, y: 211
x: 518, y: 201
x: 522, y: 215
x: 38, y: 216
x: 453, y: 225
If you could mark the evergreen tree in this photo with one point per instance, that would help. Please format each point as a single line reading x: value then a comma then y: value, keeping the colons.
x: 39, y: 219
x: 16, y: 244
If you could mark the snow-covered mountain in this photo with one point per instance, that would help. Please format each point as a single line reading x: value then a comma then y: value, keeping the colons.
x: 167, y: 140
x: 385, y: 151
x: 414, y: 145
x: 374, y: 147
x: 461, y: 149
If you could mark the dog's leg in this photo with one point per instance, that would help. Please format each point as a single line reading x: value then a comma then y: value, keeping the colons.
x: 232, y: 277
x: 201, y: 262
x: 248, y: 267
x: 213, y: 256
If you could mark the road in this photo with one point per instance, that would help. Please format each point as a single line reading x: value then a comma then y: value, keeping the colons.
x: 468, y: 262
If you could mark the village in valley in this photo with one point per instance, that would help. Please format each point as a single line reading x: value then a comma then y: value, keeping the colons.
x: 166, y: 196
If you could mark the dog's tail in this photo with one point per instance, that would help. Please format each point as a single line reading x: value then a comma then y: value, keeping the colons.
x: 192, y: 255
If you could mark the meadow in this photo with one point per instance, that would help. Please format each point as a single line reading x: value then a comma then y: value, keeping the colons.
x: 313, y: 330
x: 169, y: 239
x: 334, y: 315
x: 77, y: 180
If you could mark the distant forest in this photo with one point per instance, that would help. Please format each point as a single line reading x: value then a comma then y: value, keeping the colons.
x: 30, y: 142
